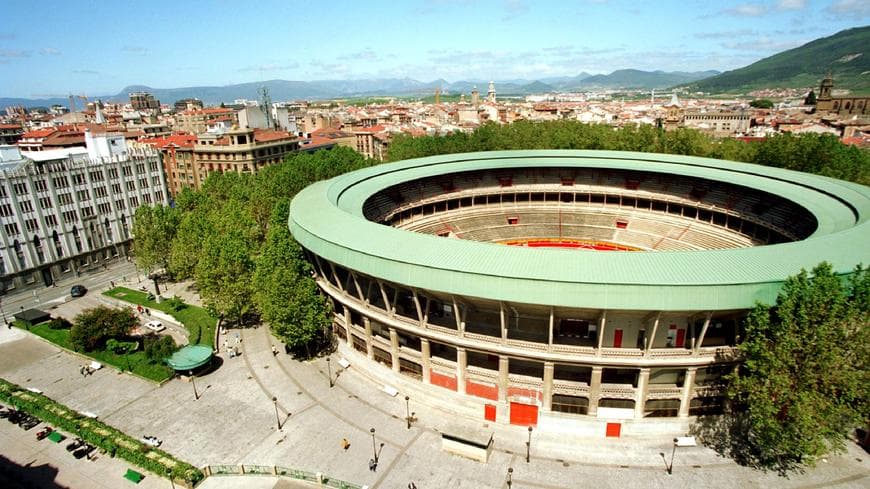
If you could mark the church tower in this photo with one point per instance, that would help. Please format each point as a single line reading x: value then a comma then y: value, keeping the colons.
x: 475, y: 98
x: 824, y: 102
x: 490, y: 94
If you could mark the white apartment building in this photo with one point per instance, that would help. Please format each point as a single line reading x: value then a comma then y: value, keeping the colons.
x: 67, y: 211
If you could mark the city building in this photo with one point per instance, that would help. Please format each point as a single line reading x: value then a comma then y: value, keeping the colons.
x: 591, y: 291
x: 10, y: 133
x: 65, y: 211
x: 189, y: 159
x: 187, y: 104
x: 844, y: 106
x: 196, y: 120
x: 144, y: 101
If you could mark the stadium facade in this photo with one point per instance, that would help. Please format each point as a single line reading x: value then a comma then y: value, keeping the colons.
x: 561, y: 286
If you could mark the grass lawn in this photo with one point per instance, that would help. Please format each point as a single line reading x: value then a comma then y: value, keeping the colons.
x: 136, y: 362
x: 197, y: 320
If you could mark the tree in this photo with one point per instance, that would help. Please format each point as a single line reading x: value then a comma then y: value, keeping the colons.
x: 761, y: 103
x: 154, y: 228
x: 93, y: 327
x: 805, y: 382
x: 158, y: 348
x: 286, y: 295
x: 811, y: 98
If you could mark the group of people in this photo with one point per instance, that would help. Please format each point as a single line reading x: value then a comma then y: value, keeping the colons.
x: 234, y: 349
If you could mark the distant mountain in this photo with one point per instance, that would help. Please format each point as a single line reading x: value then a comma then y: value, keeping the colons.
x: 644, y: 79
x: 282, y: 90
x: 846, y: 55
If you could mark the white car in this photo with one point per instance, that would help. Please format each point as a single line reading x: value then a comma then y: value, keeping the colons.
x: 155, y: 326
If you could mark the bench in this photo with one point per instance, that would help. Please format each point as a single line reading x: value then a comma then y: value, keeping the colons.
x: 133, y: 476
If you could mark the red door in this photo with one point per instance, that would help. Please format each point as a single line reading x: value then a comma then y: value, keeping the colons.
x: 613, y: 430
x: 489, y: 412
x: 617, y: 338
x: 681, y: 338
x: 524, y: 414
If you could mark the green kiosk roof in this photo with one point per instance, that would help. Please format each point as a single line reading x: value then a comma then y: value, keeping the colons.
x: 190, y: 357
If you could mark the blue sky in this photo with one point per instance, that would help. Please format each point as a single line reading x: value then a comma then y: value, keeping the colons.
x: 53, y: 48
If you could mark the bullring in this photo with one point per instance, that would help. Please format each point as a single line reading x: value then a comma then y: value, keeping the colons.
x: 563, y: 286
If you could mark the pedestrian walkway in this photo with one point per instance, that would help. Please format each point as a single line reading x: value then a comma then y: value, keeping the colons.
x: 228, y: 416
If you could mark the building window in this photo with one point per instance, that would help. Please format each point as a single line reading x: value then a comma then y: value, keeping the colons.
x: 51, y: 220
x: 31, y: 225
x: 40, y: 185
x: 45, y: 202
x: 6, y: 210
x: 570, y: 404
x: 11, y: 229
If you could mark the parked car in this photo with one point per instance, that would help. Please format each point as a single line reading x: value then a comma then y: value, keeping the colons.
x: 75, y: 444
x: 155, y: 326
x: 86, y: 449
x: 44, y: 432
x: 29, y: 423
x: 151, y: 440
x: 78, y: 290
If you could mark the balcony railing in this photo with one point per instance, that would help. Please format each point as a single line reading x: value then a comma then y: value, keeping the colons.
x: 617, y: 391
x: 664, y: 392
x: 570, y: 388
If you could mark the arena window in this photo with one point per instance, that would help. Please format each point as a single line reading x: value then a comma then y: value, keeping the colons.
x: 570, y: 404
x: 513, y: 220
x: 621, y: 224
x: 661, y: 408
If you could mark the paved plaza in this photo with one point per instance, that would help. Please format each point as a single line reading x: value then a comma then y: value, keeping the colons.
x: 234, y: 422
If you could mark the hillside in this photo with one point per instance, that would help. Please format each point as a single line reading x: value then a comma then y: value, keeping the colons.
x: 846, y: 55
x: 644, y: 79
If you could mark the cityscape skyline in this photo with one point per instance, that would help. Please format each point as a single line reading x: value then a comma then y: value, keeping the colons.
x: 208, y: 43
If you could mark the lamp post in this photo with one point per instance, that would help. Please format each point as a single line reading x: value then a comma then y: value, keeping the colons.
x: 329, y: 371
x: 169, y: 476
x: 529, y: 445
x: 374, y: 449
x: 277, y: 418
x: 673, y: 453
x: 510, y: 477
x: 408, y: 411
x: 1, y: 310
x: 193, y: 382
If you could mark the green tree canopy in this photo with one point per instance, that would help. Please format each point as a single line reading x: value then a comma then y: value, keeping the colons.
x: 805, y: 382
x: 761, y: 103
x: 93, y: 327
x: 154, y: 228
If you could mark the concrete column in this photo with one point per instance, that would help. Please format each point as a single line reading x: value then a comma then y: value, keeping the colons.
x: 503, y: 363
x: 394, y: 348
x: 368, y: 326
x: 503, y: 322
x: 688, y: 387
x: 548, y: 386
x: 703, y: 332
x: 641, y: 392
x: 424, y: 360
x: 550, y: 331
x: 652, y: 337
x: 461, y: 363
x: 602, y: 321
x: 594, y: 391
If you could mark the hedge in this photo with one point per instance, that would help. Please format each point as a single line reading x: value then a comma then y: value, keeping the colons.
x: 99, y: 434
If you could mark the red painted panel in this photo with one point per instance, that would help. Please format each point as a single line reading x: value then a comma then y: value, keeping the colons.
x: 481, y: 390
x: 524, y: 414
x: 489, y: 412
x: 681, y: 338
x: 617, y: 338
x: 446, y: 381
x: 613, y: 430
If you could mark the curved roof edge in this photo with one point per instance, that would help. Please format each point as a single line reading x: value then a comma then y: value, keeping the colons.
x: 326, y: 218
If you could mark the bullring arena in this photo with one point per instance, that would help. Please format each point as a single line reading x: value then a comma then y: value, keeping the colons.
x: 584, y: 290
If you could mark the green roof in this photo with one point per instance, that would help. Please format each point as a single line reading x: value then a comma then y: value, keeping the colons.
x: 190, y: 357
x: 327, y: 218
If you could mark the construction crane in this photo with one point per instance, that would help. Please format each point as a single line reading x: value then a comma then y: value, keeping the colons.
x: 437, y: 95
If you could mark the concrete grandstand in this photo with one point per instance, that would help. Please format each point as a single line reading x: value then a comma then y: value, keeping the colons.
x: 585, y: 290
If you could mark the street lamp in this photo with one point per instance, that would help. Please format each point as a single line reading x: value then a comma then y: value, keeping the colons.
x: 1, y: 310
x: 169, y: 476
x: 193, y: 381
x: 673, y: 453
x: 529, y: 444
x: 408, y: 411
x: 374, y: 449
x: 329, y: 371
x: 510, y: 477
x: 277, y: 418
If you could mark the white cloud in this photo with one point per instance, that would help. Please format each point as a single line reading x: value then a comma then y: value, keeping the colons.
x: 14, y: 53
x: 791, y: 4
x: 854, y: 9
x: 746, y: 10
x: 50, y: 52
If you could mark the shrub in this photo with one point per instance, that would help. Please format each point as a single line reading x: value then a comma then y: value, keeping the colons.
x: 176, y: 304
x: 59, y: 323
x: 93, y: 327
x: 120, y: 347
x: 160, y: 347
